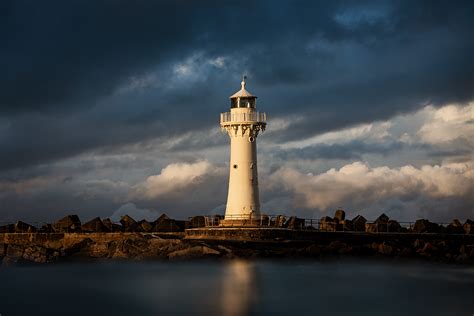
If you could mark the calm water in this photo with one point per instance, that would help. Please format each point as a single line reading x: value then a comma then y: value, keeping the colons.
x: 237, y: 288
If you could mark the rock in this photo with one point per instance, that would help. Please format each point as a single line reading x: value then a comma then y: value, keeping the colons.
x: 95, y: 225
x: 280, y: 221
x: 182, y: 224
x: 371, y: 228
x: 166, y: 224
x: 418, y: 243
x: 425, y: 226
x: 9, y: 228
x: 429, y: 248
x: 129, y: 224
x: 381, y: 223
x: 469, y: 227
x: 346, y: 225
x: 15, y: 251
x: 313, y: 250
x: 3, y: 249
x: 36, y: 254
x: 112, y: 227
x: 22, y: 227
x: 145, y: 225
x: 406, y: 252
x: 46, y: 228
x: 385, y: 249
x: 77, y: 247
x: 68, y: 224
x: 382, y: 219
x: 339, y: 216
x: 336, y: 246
x: 295, y: 223
x: 326, y: 223
x: 358, y: 223
x: 194, y: 252
x: 462, y: 258
x: 393, y: 226
x: 455, y: 227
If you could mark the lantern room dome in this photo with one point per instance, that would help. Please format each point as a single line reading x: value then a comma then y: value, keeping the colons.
x: 243, y: 98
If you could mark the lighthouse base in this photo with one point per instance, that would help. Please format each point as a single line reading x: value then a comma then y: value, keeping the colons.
x: 247, y: 221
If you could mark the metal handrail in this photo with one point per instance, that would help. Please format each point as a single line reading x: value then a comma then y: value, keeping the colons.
x: 281, y: 221
x: 257, y: 117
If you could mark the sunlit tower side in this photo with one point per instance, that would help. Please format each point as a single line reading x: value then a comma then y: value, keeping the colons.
x: 242, y: 124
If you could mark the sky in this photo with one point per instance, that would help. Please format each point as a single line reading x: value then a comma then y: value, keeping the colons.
x: 112, y: 107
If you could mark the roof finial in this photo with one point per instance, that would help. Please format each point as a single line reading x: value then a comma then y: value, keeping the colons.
x: 244, y: 77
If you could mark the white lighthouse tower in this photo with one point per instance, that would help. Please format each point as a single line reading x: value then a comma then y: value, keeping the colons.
x: 243, y: 123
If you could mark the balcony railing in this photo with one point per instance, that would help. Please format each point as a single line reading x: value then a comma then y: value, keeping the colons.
x: 257, y: 117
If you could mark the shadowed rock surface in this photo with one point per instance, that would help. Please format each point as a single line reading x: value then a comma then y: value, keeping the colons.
x: 68, y: 224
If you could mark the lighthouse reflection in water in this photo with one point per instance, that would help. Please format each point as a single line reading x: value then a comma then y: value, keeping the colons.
x: 239, y: 288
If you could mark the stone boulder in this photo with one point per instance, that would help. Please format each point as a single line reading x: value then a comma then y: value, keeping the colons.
x: 295, y: 223
x: 9, y: 228
x: 382, y: 219
x: 425, y: 226
x: 358, y: 223
x: 68, y: 224
x: 46, y: 228
x: 145, y: 225
x: 111, y: 226
x: 371, y: 228
x: 22, y: 227
x: 279, y: 221
x: 166, y: 225
x: 469, y: 227
x: 382, y: 223
x: 194, y: 252
x: 339, y: 216
x: 129, y: 224
x: 455, y: 227
x: 39, y: 254
x: 13, y: 254
x: 181, y: 224
x: 385, y: 249
x: 95, y: 225
x: 393, y: 226
x: 347, y: 225
x: 327, y: 224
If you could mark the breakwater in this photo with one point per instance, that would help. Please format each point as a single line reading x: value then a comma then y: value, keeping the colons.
x: 213, y: 237
x: 20, y: 248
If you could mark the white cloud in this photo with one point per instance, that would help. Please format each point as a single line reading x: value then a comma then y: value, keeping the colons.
x: 198, y: 65
x: 358, y: 185
x: 175, y: 177
x: 448, y: 123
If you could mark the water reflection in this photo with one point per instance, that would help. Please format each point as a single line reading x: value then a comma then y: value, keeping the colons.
x: 239, y: 288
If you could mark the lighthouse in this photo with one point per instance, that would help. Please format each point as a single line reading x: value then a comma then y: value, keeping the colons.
x: 243, y: 124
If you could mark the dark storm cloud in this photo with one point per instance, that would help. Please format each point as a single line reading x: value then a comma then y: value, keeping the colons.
x: 333, y: 63
x: 347, y: 151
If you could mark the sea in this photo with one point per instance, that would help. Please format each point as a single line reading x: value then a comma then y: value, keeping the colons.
x: 238, y: 287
